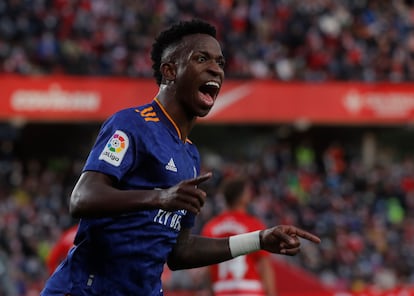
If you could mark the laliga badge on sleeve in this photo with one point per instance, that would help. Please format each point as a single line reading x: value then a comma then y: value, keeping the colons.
x: 115, y: 149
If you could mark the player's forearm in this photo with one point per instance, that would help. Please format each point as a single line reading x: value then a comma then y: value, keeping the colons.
x: 197, y: 251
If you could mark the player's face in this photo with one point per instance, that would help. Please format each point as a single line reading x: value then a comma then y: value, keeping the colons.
x: 199, y: 74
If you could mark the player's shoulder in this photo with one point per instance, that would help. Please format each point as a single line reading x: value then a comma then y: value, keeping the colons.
x: 248, y: 216
x: 213, y: 223
x: 255, y: 221
x: 137, y: 115
x: 133, y: 112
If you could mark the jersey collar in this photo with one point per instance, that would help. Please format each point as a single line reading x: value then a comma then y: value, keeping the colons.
x: 172, y: 125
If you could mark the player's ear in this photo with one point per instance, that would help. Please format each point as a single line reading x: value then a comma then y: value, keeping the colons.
x: 168, y: 71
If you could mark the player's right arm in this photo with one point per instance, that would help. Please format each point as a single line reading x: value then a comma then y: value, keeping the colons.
x: 95, y: 195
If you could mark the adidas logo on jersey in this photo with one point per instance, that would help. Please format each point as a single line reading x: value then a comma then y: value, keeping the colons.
x: 171, y: 166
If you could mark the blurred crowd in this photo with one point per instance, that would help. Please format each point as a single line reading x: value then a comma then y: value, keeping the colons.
x: 318, y: 40
x: 33, y: 215
x: 364, y: 215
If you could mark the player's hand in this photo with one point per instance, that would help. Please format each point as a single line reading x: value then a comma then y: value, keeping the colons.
x: 284, y: 239
x: 185, y: 195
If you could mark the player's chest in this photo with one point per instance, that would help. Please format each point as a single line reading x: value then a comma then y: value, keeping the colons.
x: 170, y: 162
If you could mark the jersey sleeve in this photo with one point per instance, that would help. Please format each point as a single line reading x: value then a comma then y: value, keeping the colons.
x: 113, y: 152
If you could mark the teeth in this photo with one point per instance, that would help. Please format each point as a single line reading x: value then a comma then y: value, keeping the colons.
x: 213, y: 83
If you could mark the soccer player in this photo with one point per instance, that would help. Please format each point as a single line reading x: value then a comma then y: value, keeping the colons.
x: 138, y: 194
x: 251, y: 274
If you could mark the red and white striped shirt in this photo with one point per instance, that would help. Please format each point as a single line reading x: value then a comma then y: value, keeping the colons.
x: 238, y: 276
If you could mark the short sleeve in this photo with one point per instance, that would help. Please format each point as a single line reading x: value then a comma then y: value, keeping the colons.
x: 113, y: 152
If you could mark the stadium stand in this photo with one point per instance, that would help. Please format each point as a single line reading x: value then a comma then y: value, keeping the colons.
x: 363, y: 214
x: 288, y: 40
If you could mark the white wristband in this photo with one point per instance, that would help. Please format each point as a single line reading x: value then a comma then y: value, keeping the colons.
x: 245, y: 243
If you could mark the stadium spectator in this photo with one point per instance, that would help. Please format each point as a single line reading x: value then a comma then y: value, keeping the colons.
x: 61, y: 248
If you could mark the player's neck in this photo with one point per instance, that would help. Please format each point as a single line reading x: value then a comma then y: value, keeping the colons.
x: 240, y: 208
x: 176, y: 113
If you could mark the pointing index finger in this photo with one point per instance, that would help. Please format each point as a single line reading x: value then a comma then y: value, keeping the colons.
x: 309, y: 236
x: 200, y: 179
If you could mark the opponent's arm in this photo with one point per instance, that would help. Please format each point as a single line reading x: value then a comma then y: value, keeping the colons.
x: 95, y: 195
x: 195, y: 251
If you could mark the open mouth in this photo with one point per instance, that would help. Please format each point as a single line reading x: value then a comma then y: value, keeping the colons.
x: 210, y: 89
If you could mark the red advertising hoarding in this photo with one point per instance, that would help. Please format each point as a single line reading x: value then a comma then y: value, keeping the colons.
x: 63, y: 98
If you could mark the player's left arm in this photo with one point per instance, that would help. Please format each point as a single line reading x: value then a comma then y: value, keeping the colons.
x: 195, y: 251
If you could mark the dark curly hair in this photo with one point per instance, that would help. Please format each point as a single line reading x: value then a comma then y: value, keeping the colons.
x: 173, y: 35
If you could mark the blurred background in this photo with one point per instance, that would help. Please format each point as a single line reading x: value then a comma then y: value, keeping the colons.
x: 317, y: 110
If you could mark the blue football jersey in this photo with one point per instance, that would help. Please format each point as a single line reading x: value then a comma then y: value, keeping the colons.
x: 125, y: 255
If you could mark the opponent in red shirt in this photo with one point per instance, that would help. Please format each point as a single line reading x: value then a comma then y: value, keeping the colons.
x: 61, y: 248
x: 248, y: 275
